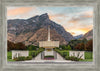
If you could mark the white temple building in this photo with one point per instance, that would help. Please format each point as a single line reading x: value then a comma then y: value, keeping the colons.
x: 49, y: 45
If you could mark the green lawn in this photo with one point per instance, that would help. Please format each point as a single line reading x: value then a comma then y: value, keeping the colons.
x: 90, y: 60
x: 88, y: 56
x: 9, y: 56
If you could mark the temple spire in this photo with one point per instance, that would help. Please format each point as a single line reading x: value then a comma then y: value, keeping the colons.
x: 48, y: 33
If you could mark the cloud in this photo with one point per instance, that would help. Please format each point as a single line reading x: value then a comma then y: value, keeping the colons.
x: 75, y: 20
x: 18, y: 11
x: 76, y: 30
x: 58, y: 18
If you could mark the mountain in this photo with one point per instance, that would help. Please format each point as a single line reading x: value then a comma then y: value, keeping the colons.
x: 88, y: 35
x: 34, y: 29
x: 78, y: 36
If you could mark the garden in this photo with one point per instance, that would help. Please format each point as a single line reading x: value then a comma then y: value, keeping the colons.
x: 65, y: 55
x: 77, y: 45
x: 33, y: 51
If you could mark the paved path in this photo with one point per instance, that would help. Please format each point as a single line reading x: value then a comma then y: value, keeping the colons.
x: 59, y: 57
x: 38, y: 59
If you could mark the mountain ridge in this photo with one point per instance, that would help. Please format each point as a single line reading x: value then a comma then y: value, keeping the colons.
x: 24, y: 29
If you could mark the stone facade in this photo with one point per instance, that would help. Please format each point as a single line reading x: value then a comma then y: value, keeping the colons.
x: 77, y: 54
x: 48, y: 44
x: 18, y: 53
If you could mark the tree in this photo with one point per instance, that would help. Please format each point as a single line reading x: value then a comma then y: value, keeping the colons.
x: 80, y: 46
x: 84, y: 40
x: 68, y: 47
x: 73, y: 43
x: 63, y: 47
x: 20, y: 46
x: 10, y: 45
x: 32, y: 47
x: 15, y: 46
x: 89, y: 45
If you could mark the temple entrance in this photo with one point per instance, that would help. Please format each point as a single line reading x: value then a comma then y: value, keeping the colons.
x: 48, y: 54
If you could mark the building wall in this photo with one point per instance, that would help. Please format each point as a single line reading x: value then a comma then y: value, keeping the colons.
x: 46, y: 52
x: 49, y: 44
x: 18, y: 53
x: 76, y: 53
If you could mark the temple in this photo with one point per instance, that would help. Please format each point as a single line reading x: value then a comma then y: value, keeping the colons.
x: 49, y: 45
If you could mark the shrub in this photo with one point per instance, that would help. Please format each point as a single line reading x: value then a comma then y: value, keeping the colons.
x: 63, y: 47
x: 35, y: 53
x: 62, y: 52
x: 67, y: 58
x: 31, y: 47
x: 22, y: 58
x: 28, y: 58
x: 9, y: 57
x: 68, y: 47
x: 73, y: 58
x: 49, y: 56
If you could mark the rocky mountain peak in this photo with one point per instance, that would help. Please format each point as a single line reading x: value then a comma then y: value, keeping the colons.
x: 88, y: 35
x: 43, y: 17
x: 31, y: 30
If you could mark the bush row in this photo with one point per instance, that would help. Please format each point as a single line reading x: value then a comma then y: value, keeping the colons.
x: 23, y: 58
x: 49, y: 56
x: 63, y: 53
x: 35, y: 53
x: 73, y: 58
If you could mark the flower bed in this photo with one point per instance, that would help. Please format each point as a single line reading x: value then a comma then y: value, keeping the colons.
x: 48, y: 57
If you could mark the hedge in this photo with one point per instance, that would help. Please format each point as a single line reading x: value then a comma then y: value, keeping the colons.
x: 35, y: 53
x: 63, y: 53
x: 23, y: 58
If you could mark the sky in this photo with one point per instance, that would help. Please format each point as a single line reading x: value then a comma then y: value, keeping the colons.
x: 76, y: 20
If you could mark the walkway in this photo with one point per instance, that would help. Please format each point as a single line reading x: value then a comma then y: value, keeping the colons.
x: 38, y: 59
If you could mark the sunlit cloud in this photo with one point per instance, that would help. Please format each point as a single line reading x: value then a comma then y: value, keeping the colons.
x: 18, y: 11
x: 79, y: 30
x: 75, y: 20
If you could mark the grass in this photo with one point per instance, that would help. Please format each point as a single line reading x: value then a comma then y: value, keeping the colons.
x: 88, y: 56
x: 9, y: 56
x: 66, y: 51
x: 89, y: 60
x: 10, y: 60
x: 30, y: 52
